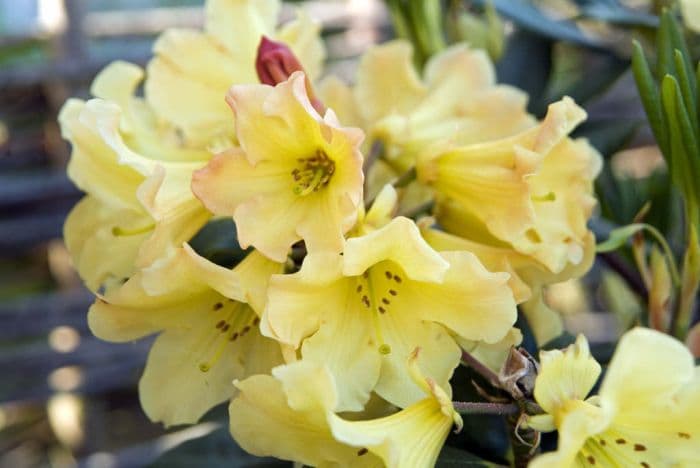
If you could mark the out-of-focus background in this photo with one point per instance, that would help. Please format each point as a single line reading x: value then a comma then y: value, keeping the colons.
x: 68, y: 399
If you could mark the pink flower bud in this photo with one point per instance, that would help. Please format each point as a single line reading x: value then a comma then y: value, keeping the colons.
x: 276, y: 62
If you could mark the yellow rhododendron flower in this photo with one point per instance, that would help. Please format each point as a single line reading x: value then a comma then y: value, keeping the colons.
x: 522, y: 203
x: 208, y: 330
x: 135, y: 170
x: 646, y: 414
x: 363, y: 312
x: 286, y: 416
x: 532, y: 190
x: 192, y: 70
x: 411, y: 438
x: 300, y: 402
x: 457, y: 99
x: 296, y: 176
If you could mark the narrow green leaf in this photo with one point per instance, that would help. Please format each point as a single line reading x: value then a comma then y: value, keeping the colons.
x: 678, y: 42
x: 691, y: 146
x: 687, y: 89
x: 664, y: 47
x: 619, y: 237
x: 649, y: 94
x: 679, y: 166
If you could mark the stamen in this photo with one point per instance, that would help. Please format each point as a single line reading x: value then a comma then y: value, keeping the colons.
x: 313, y: 173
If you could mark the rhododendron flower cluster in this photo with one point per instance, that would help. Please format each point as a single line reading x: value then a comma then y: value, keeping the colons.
x: 389, y: 226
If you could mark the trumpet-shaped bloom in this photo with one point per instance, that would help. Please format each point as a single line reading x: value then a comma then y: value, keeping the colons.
x: 286, y: 416
x: 300, y: 401
x: 296, y: 176
x: 208, y: 330
x: 192, y: 70
x: 414, y: 436
x: 457, y: 100
x: 362, y: 313
x: 527, y: 190
x: 646, y: 414
x: 137, y: 172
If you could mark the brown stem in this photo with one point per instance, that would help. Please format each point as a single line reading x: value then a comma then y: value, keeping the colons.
x: 469, y: 407
x: 481, y: 369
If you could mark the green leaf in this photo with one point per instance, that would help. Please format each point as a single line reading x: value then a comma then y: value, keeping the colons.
x: 649, y: 94
x: 688, y: 89
x: 619, y: 236
x: 664, y: 48
x: 451, y: 457
x: 684, y: 144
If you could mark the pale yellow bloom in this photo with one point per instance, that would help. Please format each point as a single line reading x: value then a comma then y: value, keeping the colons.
x: 135, y: 171
x: 208, y: 330
x: 691, y: 13
x: 296, y: 176
x: 411, y: 438
x: 286, y: 416
x: 522, y: 203
x: 457, y: 99
x: 532, y: 190
x: 300, y: 402
x: 362, y: 313
x: 192, y: 70
x: 646, y: 414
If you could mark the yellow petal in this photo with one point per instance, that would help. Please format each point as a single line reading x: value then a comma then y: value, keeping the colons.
x: 399, y: 241
x: 545, y: 323
x: 486, y: 306
x: 93, y: 166
x: 403, y: 331
x: 387, y: 81
x: 338, y: 96
x: 413, y: 437
x: 296, y: 302
x: 303, y: 35
x: 198, y: 70
x: 565, y: 376
x: 344, y: 344
x: 382, y: 210
x: 191, y: 367
x: 90, y: 227
x: 494, y: 258
x: 657, y: 365
x: 582, y: 421
x: 238, y: 25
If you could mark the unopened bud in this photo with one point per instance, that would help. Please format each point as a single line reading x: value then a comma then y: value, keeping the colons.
x: 276, y: 62
x: 518, y: 374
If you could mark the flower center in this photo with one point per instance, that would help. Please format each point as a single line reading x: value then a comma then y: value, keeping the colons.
x: 312, y: 173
